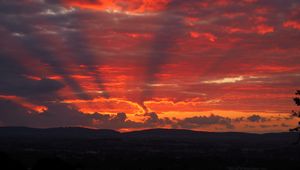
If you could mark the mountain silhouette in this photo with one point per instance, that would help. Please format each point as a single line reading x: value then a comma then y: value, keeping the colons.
x: 151, y: 149
x: 85, y: 133
x: 67, y: 132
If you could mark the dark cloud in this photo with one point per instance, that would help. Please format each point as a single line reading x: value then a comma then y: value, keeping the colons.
x: 43, y: 39
x: 14, y: 81
x: 285, y: 125
x: 13, y: 115
x: 256, y: 118
x: 56, y: 116
x: 202, y: 121
x: 61, y: 115
x: 171, y: 29
x: 29, y: 88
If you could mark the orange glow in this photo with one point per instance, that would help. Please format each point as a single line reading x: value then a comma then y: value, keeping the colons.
x: 103, y: 105
x: 265, y: 29
x: 167, y: 105
x: 133, y: 6
x: 24, y: 103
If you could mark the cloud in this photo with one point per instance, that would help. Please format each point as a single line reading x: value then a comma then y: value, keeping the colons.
x: 141, y: 50
x: 202, y: 121
x: 131, y: 6
x: 56, y: 116
x: 62, y: 115
x: 152, y: 120
x: 256, y: 118
x: 14, y: 82
x: 25, y: 103
x: 265, y: 29
x: 225, y: 80
x: 292, y: 24
x: 208, y: 36
x: 118, y: 121
x: 100, y: 105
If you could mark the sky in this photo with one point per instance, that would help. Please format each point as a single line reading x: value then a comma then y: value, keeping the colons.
x: 207, y: 65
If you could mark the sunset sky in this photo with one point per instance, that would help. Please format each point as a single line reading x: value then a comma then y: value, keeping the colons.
x: 209, y: 65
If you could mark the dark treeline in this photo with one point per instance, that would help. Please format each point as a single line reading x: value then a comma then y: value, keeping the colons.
x: 148, y: 150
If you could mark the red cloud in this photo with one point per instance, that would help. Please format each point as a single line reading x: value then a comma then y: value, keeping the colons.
x: 265, y: 29
x: 136, y: 6
x: 260, y: 29
x: 292, y: 24
x: 209, y: 36
x: 25, y: 103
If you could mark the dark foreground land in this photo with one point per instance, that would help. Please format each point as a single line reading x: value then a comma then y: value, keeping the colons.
x: 158, y: 149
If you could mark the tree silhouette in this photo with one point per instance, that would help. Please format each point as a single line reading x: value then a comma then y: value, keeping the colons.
x: 296, y: 114
x: 297, y: 99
